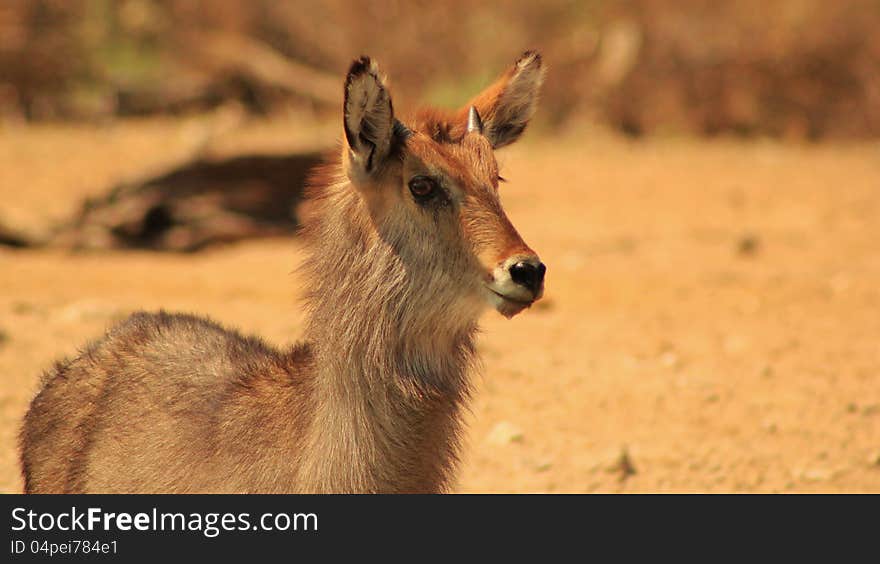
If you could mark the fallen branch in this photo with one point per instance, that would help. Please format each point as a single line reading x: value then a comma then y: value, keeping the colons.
x: 259, y: 62
x: 198, y: 204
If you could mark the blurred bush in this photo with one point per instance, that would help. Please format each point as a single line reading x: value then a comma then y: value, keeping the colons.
x: 790, y: 68
x: 795, y: 68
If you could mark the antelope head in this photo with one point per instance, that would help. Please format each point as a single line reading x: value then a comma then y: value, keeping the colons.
x: 431, y: 187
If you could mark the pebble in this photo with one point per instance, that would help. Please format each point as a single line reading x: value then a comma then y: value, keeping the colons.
x: 622, y: 465
x: 505, y: 432
x: 543, y: 466
x: 670, y: 360
x: 816, y: 474
x: 748, y: 245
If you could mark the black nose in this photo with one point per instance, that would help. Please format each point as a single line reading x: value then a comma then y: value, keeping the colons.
x: 529, y: 274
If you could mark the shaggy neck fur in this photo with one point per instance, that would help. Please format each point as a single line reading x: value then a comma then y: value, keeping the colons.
x: 391, y: 346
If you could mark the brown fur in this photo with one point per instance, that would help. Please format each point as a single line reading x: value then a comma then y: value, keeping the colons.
x: 370, y: 401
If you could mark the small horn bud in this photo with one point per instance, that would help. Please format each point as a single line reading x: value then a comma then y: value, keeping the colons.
x: 474, y: 124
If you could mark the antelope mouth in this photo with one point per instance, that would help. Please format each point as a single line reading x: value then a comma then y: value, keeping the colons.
x: 507, y: 305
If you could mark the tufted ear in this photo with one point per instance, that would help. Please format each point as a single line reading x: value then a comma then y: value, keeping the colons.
x: 368, y: 118
x: 507, y: 106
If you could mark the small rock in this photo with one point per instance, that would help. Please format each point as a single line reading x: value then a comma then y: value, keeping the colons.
x: 670, y: 360
x: 874, y: 459
x: 504, y: 433
x: 543, y: 466
x: 623, y: 465
x: 816, y: 474
x: 748, y: 245
x: 23, y: 308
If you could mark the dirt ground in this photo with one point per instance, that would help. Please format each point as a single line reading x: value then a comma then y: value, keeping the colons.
x: 711, y: 320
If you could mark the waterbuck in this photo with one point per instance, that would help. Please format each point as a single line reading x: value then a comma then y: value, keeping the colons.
x: 408, y: 245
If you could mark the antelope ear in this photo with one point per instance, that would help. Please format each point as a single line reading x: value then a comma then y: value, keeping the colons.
x: 368, y: 117
x: 507, y: 106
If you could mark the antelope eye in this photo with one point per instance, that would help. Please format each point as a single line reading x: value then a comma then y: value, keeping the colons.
x: 423, y: 187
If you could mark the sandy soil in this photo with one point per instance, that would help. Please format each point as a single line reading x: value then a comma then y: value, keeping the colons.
x: 711, y: 320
